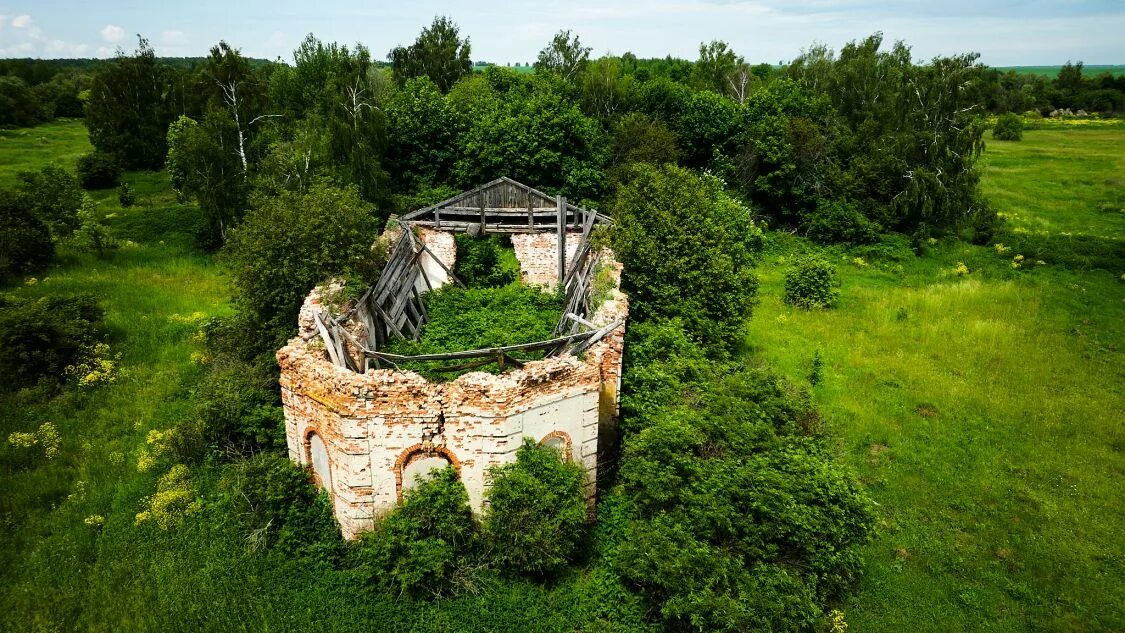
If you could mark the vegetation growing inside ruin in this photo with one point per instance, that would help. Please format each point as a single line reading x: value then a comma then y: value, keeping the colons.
x: 480, y: 318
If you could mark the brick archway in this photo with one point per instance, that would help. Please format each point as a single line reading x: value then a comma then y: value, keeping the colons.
x: 406, y: 456
x: 568, y: 453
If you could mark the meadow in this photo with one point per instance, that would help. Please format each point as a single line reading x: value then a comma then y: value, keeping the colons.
x: 983, y: 411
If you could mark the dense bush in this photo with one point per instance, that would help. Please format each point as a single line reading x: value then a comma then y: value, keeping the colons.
x: 53, y: 196
x: 25, y: 240
x: 477, y: 318
x: 839, y: 222
x: 98, y: 170
x: 18, y: 104
x: 484, y: 261
x: 536, y: 511
x: 810, y: 282
x: 422, y: 548
x: 237, y: 410
x: 289, y: 243
x: 738, y: 517
x: 278, y: 506
x: 1009, y: 127
x: 688, y: 250
x: 41, y: 338
x: 125, y: 195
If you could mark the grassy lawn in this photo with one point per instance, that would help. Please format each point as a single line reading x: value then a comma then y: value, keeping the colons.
x: 983, y: 411
x: 60, y: 142
x: 155, y: 290
x: 1059, y: 180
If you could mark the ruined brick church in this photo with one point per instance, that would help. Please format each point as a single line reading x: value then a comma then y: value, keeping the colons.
x: 368, y: 430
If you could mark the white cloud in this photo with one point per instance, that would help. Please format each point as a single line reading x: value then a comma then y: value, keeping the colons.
x: 112, y: 33
x: 21, y: 21
x: 173, y: 37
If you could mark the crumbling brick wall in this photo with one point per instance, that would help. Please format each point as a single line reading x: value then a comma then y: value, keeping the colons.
x: 374, y: 425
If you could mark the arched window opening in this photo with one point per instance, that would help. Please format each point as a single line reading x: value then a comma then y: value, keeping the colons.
x: 421, y: 460
x: 420, y: 467
x: 318, y: 457
x: 559, y: 441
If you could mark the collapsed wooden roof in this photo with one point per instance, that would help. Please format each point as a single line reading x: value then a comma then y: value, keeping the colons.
x: 502, y: 206
x: 394, y: 307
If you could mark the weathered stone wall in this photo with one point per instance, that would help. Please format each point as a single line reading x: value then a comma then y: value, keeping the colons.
x: 375, y: 424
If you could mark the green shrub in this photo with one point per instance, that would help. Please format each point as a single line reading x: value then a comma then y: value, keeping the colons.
x: 40, y: 338
x: 25, y: 240
x: 1009, y: 127
x: 125, y: 195
x: 537, y: 511
x: 484, y: 261
x: 688, y: 251
x: 839, y: 222
x: 423, y: 547
x: 290, y: 242
x: 477, y: 318
x: 52, y: 194
x: 278, y: 506
x: 237, y: 409
x: 811, y: 283
x: 738, y: 519
x: 98, y: 170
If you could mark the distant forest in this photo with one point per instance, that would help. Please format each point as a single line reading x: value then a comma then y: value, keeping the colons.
x: 34, y: 91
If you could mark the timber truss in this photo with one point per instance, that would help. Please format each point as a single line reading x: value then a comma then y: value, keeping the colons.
x: 394, y: 306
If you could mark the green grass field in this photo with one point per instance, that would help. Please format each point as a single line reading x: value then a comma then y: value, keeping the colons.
x: 984, y: 413
x: 1053, y: 71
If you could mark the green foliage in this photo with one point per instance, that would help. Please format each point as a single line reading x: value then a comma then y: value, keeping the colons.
x: 25, y: 240
x: 289, y: 243
x: 739, y: 520
x: 40, y: 338
x: 538, y: 137
x: 98, y: 170
x: 564, y: 57
x: 478, y: 318
x: 638, y: 138
x: 237, y: 411
x: 18, y: 104
x: 810, y: 282
x: 485, y: 261
x: 53, y: 196
x: 839, y: 222
x: 93, y: 236
x: 536, y: 511
x: 125, y: 195
x: 130, y: 107
x: 676, y: 230
x: 438, y: 53
x: 1009, y: 127
x: 421, y: 135
x: 277, y: 506
x: 421, y: 549
x: 203, y: 167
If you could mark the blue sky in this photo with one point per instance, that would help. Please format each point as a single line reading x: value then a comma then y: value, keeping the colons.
x: 1004, y: 32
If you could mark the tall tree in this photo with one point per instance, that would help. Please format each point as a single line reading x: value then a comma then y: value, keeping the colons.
x: 439, y: 53
x: 236, y: 88
x: 130, y: 108
x: 565, y: 56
